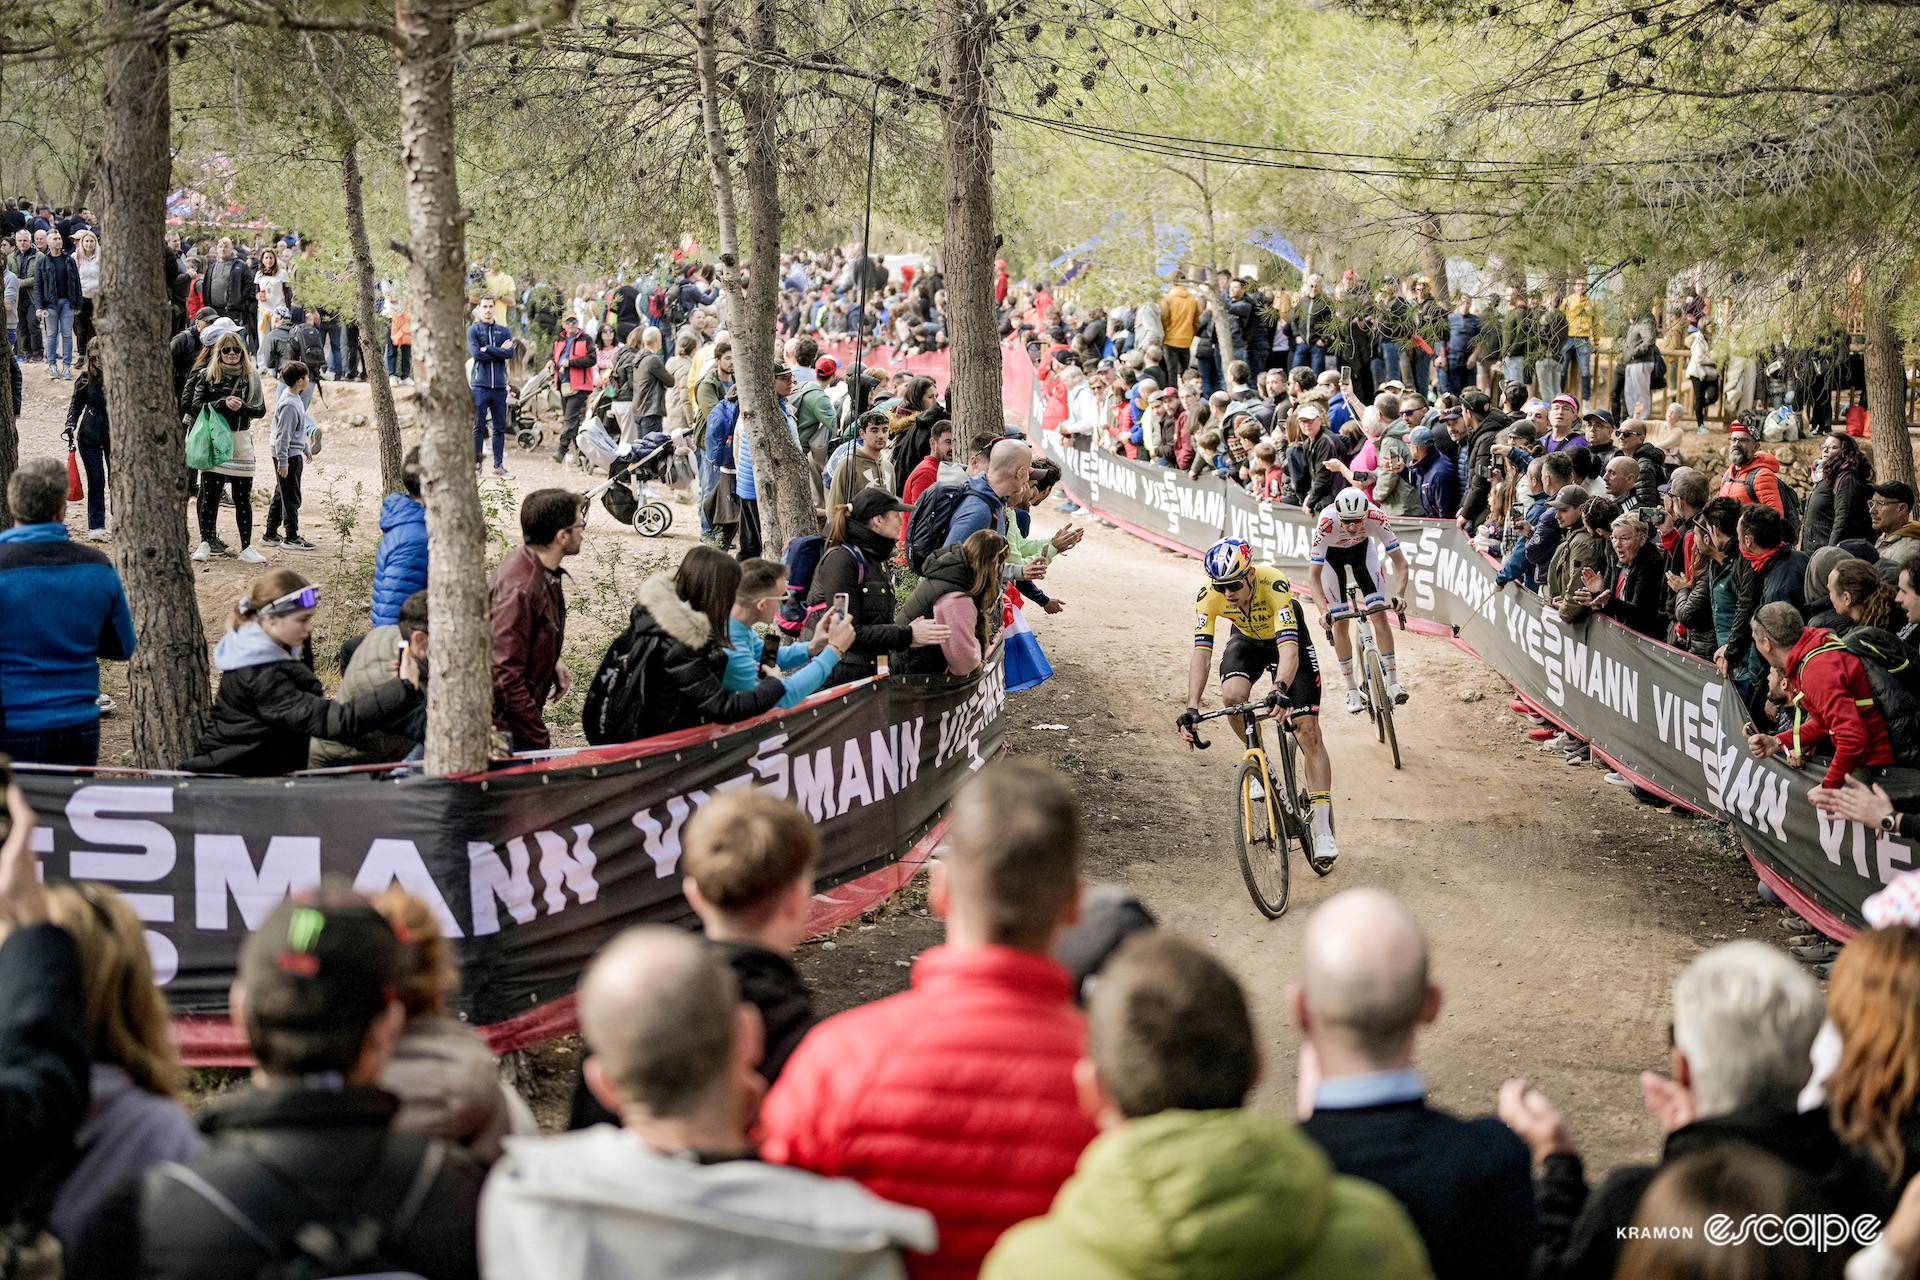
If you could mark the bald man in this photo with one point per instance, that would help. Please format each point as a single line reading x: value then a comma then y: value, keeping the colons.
x: 1622, y: 476
x: 1364, y: 993
x: 677, y: 1186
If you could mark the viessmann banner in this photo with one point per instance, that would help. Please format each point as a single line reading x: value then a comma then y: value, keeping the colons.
x: 1663, y: 714
x: 530, y: 870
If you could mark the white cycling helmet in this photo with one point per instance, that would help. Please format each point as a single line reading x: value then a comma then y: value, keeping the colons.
x: 1350, y: 504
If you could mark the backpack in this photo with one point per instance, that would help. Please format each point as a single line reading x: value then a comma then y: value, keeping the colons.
x: 303, y: 1239
x: 929, y: 520
x: 1895, y: 678
x: 802, y: 558
x: 676, y: 306
x: 313, y: 346
x: 1789, y: 504
x: 657, y: 304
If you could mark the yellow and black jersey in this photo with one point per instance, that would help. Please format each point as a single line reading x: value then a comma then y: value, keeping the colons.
x: 1270, y: 614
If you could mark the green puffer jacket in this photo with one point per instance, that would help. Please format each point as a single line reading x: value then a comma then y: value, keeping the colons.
x: 1211, y: 1195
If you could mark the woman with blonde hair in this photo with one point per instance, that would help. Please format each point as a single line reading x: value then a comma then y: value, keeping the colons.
x: 224, y: 380
x: 86, y: 260
x: 134, y: 1120
x: 271, y: 705
x: 959, y: 589
x: 442, y: 1070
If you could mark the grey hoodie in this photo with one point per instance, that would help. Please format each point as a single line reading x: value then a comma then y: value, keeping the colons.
x: 127, y: 1131
x: 598, y: 1204
x: 249, y: 646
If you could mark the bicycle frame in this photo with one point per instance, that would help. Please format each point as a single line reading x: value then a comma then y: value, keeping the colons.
x: 1249, y: 713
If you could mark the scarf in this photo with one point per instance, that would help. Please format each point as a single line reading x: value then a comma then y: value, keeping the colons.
x: 1760, y: 559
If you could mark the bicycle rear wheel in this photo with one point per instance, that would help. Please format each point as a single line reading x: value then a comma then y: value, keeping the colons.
x: 1383, y: 723
x: 1262, y: 848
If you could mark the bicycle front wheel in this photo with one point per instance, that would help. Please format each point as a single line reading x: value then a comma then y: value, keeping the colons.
x: 1383, y: 722
x: 1262, y: 847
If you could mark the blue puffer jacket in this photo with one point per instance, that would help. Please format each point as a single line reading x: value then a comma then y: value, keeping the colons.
x: 400, y: 565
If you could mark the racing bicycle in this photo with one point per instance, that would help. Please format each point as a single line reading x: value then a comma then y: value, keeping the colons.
x: 1272, y: 818
x: 1373, y: 672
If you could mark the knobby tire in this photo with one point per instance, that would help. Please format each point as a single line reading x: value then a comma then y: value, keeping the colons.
x: 1262, y: 848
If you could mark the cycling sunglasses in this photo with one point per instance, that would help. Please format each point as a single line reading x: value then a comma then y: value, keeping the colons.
x: 292, y: 602
x: 1227, y: 584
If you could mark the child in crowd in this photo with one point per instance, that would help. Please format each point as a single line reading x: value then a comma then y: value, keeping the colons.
x: 747, y: 861
x: 290, y: 424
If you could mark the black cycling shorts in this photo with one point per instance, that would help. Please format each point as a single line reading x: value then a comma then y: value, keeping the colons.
x: 1252, y: 659
x: 1363, y: 560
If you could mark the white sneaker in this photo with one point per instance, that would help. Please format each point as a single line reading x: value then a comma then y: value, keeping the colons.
x: 202, y: 551
x: 1398, y: 694
x: 1325, y: 847
x: 1355, y: 703
x: 249, y: 556
x: 105, y: 703
x: 53, y: 372
x: 97, y: 535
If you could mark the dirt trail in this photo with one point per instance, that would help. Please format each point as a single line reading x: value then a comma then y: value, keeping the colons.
x: 1560, y: 909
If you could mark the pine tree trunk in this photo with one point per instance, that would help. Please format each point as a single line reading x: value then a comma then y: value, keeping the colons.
x: 9, y: 432
x: 384, y: 419
x: 779, y: 468
x: 966, y: 159
x: 1433, y: 257
x: 460, y: 695
x: 168, y: 674
x: 1886, y: 359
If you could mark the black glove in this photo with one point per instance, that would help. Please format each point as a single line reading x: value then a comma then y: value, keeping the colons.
x: 1278, y: 698
x: 1187, y: 719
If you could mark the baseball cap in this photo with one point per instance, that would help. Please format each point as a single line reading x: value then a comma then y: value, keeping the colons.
x: 825, y: 367
x: 1309, y: 411
x: 1569, y: 401
x: 1422, y: 436
x: 871, y: 502
x: 1860, y: 549
x: 1570, y: 496
x: 1597, y: 415
x: 1451, y: 414
x: 206, y: 315
x: 1476, y: 400
x: 1531, y: 405
x: 324, y: 961
x: 1393, y: 384
x: 1739, y: 431
x: 1896, y: 490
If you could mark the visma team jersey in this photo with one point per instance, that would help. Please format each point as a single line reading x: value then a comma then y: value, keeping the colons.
x: 1269, y: 615
x: 1331, y: 535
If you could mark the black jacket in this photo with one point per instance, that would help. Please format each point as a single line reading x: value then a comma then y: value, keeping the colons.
x: 287, y: 1157
x: 1475, y: 477
x: 199, y: 393
x: 915, y: 443
x: 946, y: 570
x: 1321, y: 484
x: 769, y: 982
x: 88, y: 408
x: 1693, y: 609
x: 665, y: 672
x: 57, y: 280
x: 1640, y: 604
x: 43, y: 1065
x: 186, y: 349
x: 1652, y: 461
x: 861, y: 567
x: 1836, y: 510
x: 1579, y: 1230
x: 265, y: 716
x: 1467, y: 1184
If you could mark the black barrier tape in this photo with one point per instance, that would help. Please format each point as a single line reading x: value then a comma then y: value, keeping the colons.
x: 530, y: 871
x: 1663, y: 714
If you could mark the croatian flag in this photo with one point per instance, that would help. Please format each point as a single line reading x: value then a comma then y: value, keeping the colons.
x: 1026, y: 666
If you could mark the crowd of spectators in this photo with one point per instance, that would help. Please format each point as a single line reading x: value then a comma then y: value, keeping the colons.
x: 1063, y: 1091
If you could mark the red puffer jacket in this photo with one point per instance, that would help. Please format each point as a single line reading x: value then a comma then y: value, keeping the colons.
x: 956, y: 1097
x: 1831, y: 690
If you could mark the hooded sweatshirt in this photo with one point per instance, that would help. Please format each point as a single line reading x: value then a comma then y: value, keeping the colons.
x: 579, y: 1206
x: 1229, y: 1195
x: 290, y: 423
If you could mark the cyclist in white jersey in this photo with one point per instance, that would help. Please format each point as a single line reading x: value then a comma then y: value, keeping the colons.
x: 1349, y: 538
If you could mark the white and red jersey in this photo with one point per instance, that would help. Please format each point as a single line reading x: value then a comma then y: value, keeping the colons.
x: 1331, y: 535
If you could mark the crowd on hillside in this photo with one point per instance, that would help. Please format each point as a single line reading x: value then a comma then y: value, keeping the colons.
x: 1091, y: 1116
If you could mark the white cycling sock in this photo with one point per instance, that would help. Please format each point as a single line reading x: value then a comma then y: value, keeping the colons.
x: 1322, y: 818
x: 1346, y: 673
x: 1391, y: 667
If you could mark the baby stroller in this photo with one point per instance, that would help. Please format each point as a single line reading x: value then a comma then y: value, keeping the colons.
x: 605, y: 426
x: 626, y: 492
x: 523, y: 406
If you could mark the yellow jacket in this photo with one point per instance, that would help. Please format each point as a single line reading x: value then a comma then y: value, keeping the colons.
x: 1580, y: 317
x: 1179, y: 312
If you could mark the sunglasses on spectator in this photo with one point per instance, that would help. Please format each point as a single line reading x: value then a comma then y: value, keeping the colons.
x: 292, y: 602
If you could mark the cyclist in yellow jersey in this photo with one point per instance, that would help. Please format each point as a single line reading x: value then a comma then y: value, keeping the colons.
x: 1266, y: 634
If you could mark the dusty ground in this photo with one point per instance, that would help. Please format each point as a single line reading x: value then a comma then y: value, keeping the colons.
x: 1560, y: 909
